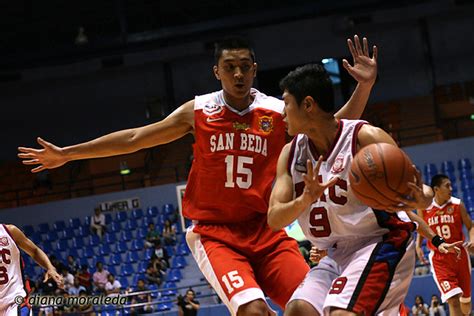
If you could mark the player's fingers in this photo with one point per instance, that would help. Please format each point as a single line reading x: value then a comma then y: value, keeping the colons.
x: 28, y: 150
x: 330, y: 183
x: 375, y: 52
x: 352, y: 49
x: 26, y: 155
x: 318, y: 166
x: 346, y: 64
x: 42, y: 142
x: 357, y: 45
x: 309, y: 168
x: 31, y: 162
x: 414, y: 188
x: 365, y: 46
x: 38, y: 169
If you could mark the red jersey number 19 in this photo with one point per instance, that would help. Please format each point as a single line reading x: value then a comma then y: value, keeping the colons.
x: 243, y: 178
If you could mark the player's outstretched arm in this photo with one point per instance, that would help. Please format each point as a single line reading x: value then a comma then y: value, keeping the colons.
x: 175, y: 126
x: 421, y: 195
x: 36, y: 253
x: 283, y: 209
x: 364, y: 71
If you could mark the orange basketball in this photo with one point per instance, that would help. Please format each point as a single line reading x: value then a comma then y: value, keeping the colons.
x: 379, y: 174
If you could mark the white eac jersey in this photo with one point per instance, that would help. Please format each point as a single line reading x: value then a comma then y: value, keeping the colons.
x: 11, y: 278
x: 338, y: 216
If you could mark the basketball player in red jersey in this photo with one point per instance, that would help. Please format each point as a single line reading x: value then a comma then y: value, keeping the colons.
x: 452, y: 274
x: 12, y: 282
x: 239, y: 133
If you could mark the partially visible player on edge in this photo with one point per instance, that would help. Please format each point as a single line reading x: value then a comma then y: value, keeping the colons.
x: 239, y: 133
x: 12, y: 279
x: 373, y: 250
x: 452, y: 273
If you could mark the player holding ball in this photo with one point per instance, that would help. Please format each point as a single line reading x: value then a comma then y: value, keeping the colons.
x: 371, y: 255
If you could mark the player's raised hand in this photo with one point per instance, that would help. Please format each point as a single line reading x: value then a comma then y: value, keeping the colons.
x: 454, y: 247
x: 313, y: 189
x: 364, y: 69
x: 418, y: 199
x: 49, y: 157
x: 315, y: 254
x: 53, y: 274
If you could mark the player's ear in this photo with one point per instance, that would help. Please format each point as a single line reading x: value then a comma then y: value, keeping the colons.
x: 309, y: 103
x: 255, y: 66
x: 215, y: 70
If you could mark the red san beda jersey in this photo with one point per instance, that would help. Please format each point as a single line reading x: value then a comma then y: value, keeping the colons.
x: 445, y: 220
x: 235, y: 158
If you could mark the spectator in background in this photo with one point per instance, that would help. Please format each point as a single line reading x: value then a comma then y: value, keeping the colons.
x: 100, y: 277
x: 162, y: 254
x: 68, y: 279
x: 46, y: 288
x: 152, y: 236
x: 84, y: 278
x: 436, y: 309
x: 420, y: 308
x: 56, y: 263
x: 169, y: 233
x: 86, y: 309
x: 76, y: 288
x: 153, y: 276
x: 98, y: 223
x: 158, y: 265
x: 142, y: 298
x: 188, y: 305
x: 113, y: 286
x: 72, y: 265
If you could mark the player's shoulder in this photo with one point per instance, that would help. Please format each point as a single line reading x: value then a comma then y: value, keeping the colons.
x: 267, y: 102
x: 455, y: 200
x: 209, y: 102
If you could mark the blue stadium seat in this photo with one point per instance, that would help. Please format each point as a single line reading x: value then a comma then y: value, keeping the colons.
x: 115, y: 259
x: 28, y: 230
x: 141, y: 232
x: 161, y: 219
x: 464, y: 164
x: 114, y: 227
x: 148, y: 253
x: 137, y: 244
x: 137, y: 213
x: 131, y: 257
x: 110, y: 238
x: 74, y: 223
x: 169, y: 289
x: 88, y: 252
x: 67, y: 234
x: 104, y: 249
x: 121, y: 216
x: 152, y: 211
x: 59, y: 225
x: 170, y: 250
x: 178, y: 262
x: 174, y: 275
x: 183, y: 249
x: 46, y: 247
x: 142, y: 265
x: 77, y: 243
x: 62, y: 245
x: 447, y: 166
x: 43, y: 228
x: 430, y: 168
x: 52, y: 236
x: 83, y: 231
x: 121, y: 247
x: 131, y: 224
x: 83, y: 261
x: 36, y: 237
x: 87, y: 221
x: 112, y: 269
x: 127, y: 269
x: 124, y: 282
x: 126, y: 236
x: 138, y: 276
x: 93, y: 240
x: 165, y: 306
x: 168, y: 209
x: 108, y: 218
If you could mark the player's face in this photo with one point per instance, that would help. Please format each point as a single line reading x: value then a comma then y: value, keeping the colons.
x: 292, y: 115
x: 444, y: 190
x: 236, y: 71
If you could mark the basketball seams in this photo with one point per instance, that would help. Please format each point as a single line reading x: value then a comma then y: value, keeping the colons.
x: 381, y: 157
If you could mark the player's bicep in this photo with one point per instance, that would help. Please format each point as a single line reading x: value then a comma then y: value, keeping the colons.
x: 466, y: 219
x: 283, y: 188
x: 369, y: 134
x: 174, y: 126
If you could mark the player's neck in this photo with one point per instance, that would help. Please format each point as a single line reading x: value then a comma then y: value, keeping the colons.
x: 440, y: 200
x: 239, y: 104
x: 322, y: 133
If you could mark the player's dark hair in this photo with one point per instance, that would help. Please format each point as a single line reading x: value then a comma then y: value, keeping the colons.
x: 310, y: 80
x: 437, y: 180
x: 232, y: 43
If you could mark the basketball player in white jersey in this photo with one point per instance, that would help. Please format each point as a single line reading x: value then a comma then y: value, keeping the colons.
x: 373, y: 250
x: 12, y: 284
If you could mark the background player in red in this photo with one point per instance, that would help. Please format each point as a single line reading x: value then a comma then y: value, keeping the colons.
x: 452, y: 273
x: 12, y: 282
x: 239, y: 133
